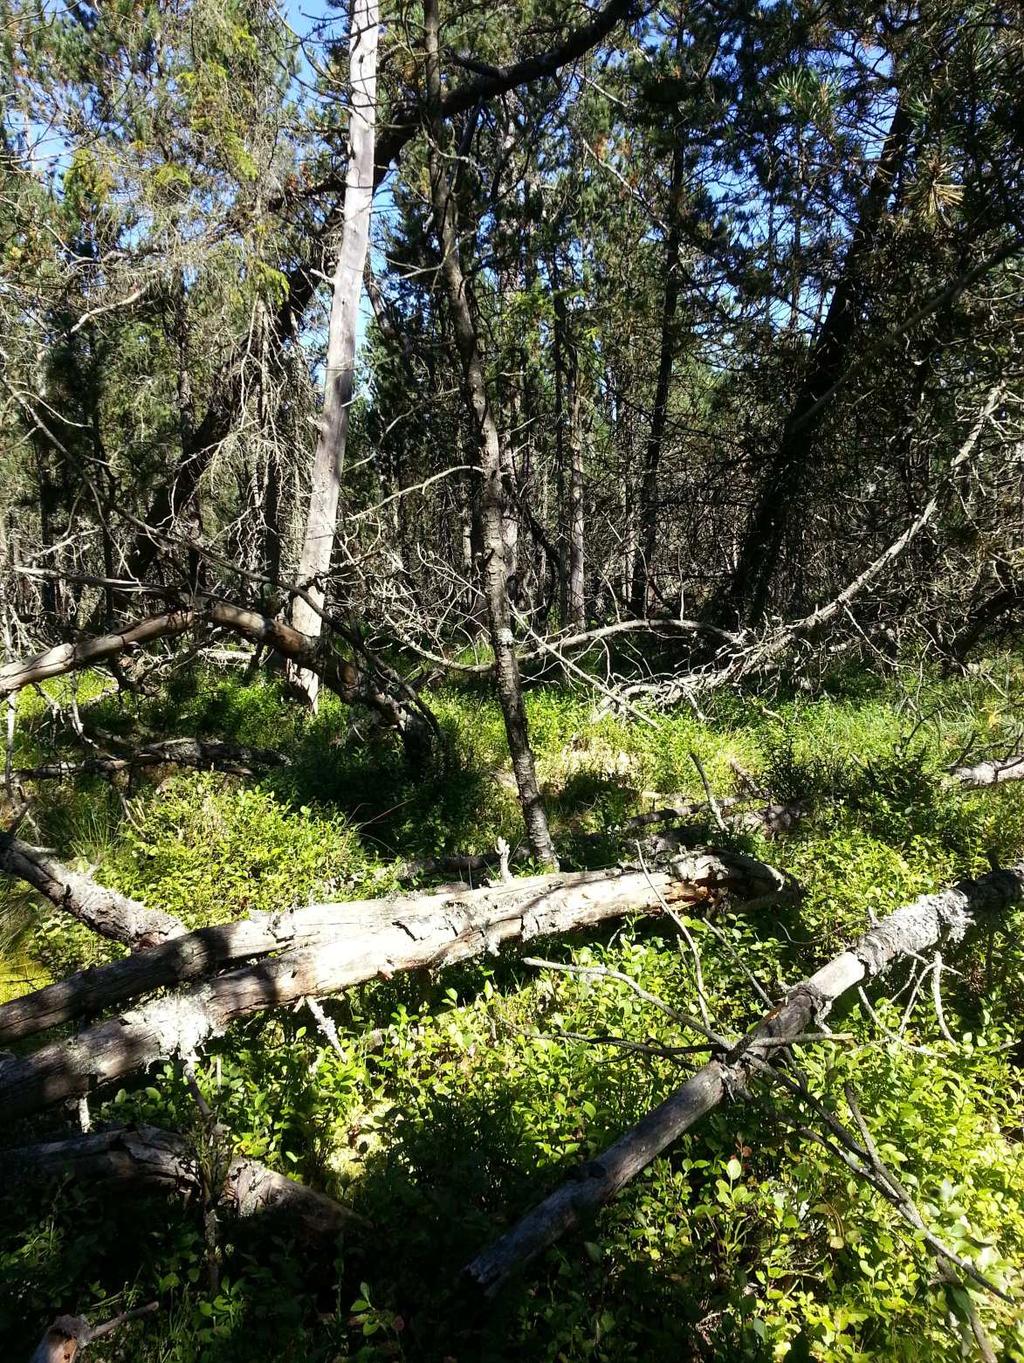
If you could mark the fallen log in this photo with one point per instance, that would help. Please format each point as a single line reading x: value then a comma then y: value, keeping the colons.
x: 129, y: 1159
x: 345, y: 945
x: 992, y: 773
x: 908, y: 931
x: 339, y: 674
x: 67, y: 1336
x: 107, y: 912
x: 203, y: 753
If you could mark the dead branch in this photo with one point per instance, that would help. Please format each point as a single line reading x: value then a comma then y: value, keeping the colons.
x: 203, y: 753
x: 752, y: 655
x: 992, y: 773
x: 107, y: 912
x: 68, y: 1335
x: 129, y: 1159
x: 339, y: 674
x: 908, y: 931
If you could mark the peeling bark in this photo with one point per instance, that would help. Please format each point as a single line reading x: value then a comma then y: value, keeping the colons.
x: 344, y: 945
x: 107, y: 912
x: 912, y: 929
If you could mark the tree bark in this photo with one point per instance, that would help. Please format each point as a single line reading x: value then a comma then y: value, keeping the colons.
x: 912, y: 929
x: 129, y: 1159
x: 342, y: 945
x: 748, y: 591
x: 339, y: 382
x: 107, y: 912
x: 569, y: 455
x: 490, y: 491
x: 991, y: 773
x: 648, y: 508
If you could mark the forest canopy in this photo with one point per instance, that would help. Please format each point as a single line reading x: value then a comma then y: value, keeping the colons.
x: 511, y: 554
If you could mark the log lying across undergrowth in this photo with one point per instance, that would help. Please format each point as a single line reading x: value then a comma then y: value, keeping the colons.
x: 992, y: 773
x: 341, y: 675
x: 327, y: 949
x: 107, y: 912
x: 909, y: 931
x: 203, y: 753
x: 129, y: 1159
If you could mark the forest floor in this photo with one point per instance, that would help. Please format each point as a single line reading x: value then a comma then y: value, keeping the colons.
x: 457, y: 1099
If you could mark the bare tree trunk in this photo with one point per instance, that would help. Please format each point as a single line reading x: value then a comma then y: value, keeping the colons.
x: 909, y: 931
x: 491, y: 495
x: 569, y: 457
x: 750, y: 587
x: 339, y: 384
x: 648, y: 508
x: 360, y: 935
x: 575, y: 601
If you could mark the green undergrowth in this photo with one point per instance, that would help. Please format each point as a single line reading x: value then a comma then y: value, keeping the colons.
x: 459, y: 1098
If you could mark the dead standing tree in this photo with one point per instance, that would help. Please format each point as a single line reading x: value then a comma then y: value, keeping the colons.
x: 339, y: 383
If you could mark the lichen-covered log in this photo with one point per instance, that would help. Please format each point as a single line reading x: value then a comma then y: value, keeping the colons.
x: 992, y: 773
x: 128, y: 1159
x: 913, y: 929
x: 107, y: 912
x: 345, y: 945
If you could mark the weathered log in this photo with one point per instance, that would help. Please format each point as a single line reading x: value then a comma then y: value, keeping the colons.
x: 339, y: 674
x: 107, y: 912
x: 346, y: 945
x: 127, y: 1159
x: 68, y: 1335
x: 198, y: 955
x: 992, y: 773
x: 63, y: 1340
x: 204, y: 753
x: 910, y: 930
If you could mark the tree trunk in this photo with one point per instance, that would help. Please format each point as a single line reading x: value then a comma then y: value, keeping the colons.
x: 748, y: 592
x: 490, y: 491
x: 648, y: 507
x: 910, y: 930
x: 339, y: 383
x: 569, y: 456
x: 130, y: 1159
x: 343, y: 945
